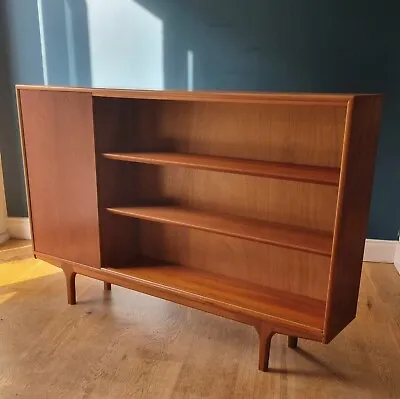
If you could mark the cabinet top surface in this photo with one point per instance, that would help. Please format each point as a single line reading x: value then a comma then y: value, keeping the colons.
x: 250, y: 97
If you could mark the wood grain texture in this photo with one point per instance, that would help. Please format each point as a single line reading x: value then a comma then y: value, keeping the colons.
x: 265, y: 333
x: 274, y: 289
x: 357, y: 170
x: 256, y: 301
x: 60, y: 166
x: 331, y: 100
x: 309, y: 135
x: 284, y: 171
x: 173, y: 289
x: 304, y: 205
x: 316, y: 242
x: 274, y: 267
x: 138, y: 346
x: 14, y: 249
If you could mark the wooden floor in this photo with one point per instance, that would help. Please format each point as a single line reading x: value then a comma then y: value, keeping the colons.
x: 128, y: 345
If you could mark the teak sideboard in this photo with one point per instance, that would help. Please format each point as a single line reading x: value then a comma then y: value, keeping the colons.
x: 249, y: 206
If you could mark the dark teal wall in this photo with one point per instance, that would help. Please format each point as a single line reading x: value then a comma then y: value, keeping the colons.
x: 20, y: 61
x: 265, y: 45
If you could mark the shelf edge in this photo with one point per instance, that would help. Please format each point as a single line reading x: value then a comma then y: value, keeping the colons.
x: 120, y: 212
x: 125, y: 157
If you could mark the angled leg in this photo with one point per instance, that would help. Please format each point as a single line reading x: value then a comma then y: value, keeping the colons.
x: 292, y: 342
x: 107, y: 286
x: 70, y: 280
x: 265, y: 333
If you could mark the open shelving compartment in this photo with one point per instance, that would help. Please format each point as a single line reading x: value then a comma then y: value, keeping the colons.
x: 225, y: 203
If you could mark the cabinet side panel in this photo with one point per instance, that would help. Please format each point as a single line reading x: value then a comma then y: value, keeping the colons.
x: 60, y: 168
x: 357, y: 170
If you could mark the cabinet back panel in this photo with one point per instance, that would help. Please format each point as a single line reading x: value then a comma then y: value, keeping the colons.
x: 307, y: 135
x: 310, y: 135
x: 280, y: 268
x: 299, y: 204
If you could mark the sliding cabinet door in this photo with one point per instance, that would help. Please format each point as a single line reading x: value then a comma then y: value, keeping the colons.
x: 61, y: 175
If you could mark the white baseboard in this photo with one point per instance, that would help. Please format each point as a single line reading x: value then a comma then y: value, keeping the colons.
x: 4, y: 237
x: 397, y: 257
x: 19, y: 228
x: 381, y: 251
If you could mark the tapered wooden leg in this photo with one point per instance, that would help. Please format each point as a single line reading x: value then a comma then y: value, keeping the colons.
x: 265, y: 333
x: 107, y: 286
x: 292, y: 342
x: 70, y: 280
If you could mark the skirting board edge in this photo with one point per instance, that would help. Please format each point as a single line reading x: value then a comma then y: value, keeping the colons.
x: 19, y: 228
x: 4, y: 237
x: 380, y: 251
x: 397, y: 257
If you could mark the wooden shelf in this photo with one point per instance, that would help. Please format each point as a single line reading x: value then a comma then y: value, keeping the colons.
x: 286, y: 171
x: 227, y: 293
x: 251, y: 229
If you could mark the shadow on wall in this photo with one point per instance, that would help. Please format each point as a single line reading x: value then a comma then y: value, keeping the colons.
x: 9, y: 137
x: 271, y: 45
x: 45, y: 42
x: 312, y: 46
x: 64, y: 34
x: 209, y: 45
x: 49, y: 42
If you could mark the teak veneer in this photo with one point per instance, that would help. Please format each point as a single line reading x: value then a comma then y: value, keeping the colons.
x: 250, y: 206
x: 311, y: 174
x: 255, y: 230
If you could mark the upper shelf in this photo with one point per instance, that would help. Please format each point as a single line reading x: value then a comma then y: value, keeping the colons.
x: 286, y: 171
x: 251, y: 229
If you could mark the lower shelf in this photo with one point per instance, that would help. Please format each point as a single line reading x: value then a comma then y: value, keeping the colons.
x: 227, y: 293
x: 281, y: 235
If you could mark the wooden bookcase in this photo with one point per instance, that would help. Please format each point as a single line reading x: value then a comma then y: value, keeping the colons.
x: 253, y: 207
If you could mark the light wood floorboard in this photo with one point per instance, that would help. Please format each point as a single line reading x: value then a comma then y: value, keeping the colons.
x: 122, y: 344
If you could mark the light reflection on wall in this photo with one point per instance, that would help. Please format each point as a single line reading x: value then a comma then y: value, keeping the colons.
x: 126, y: 45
